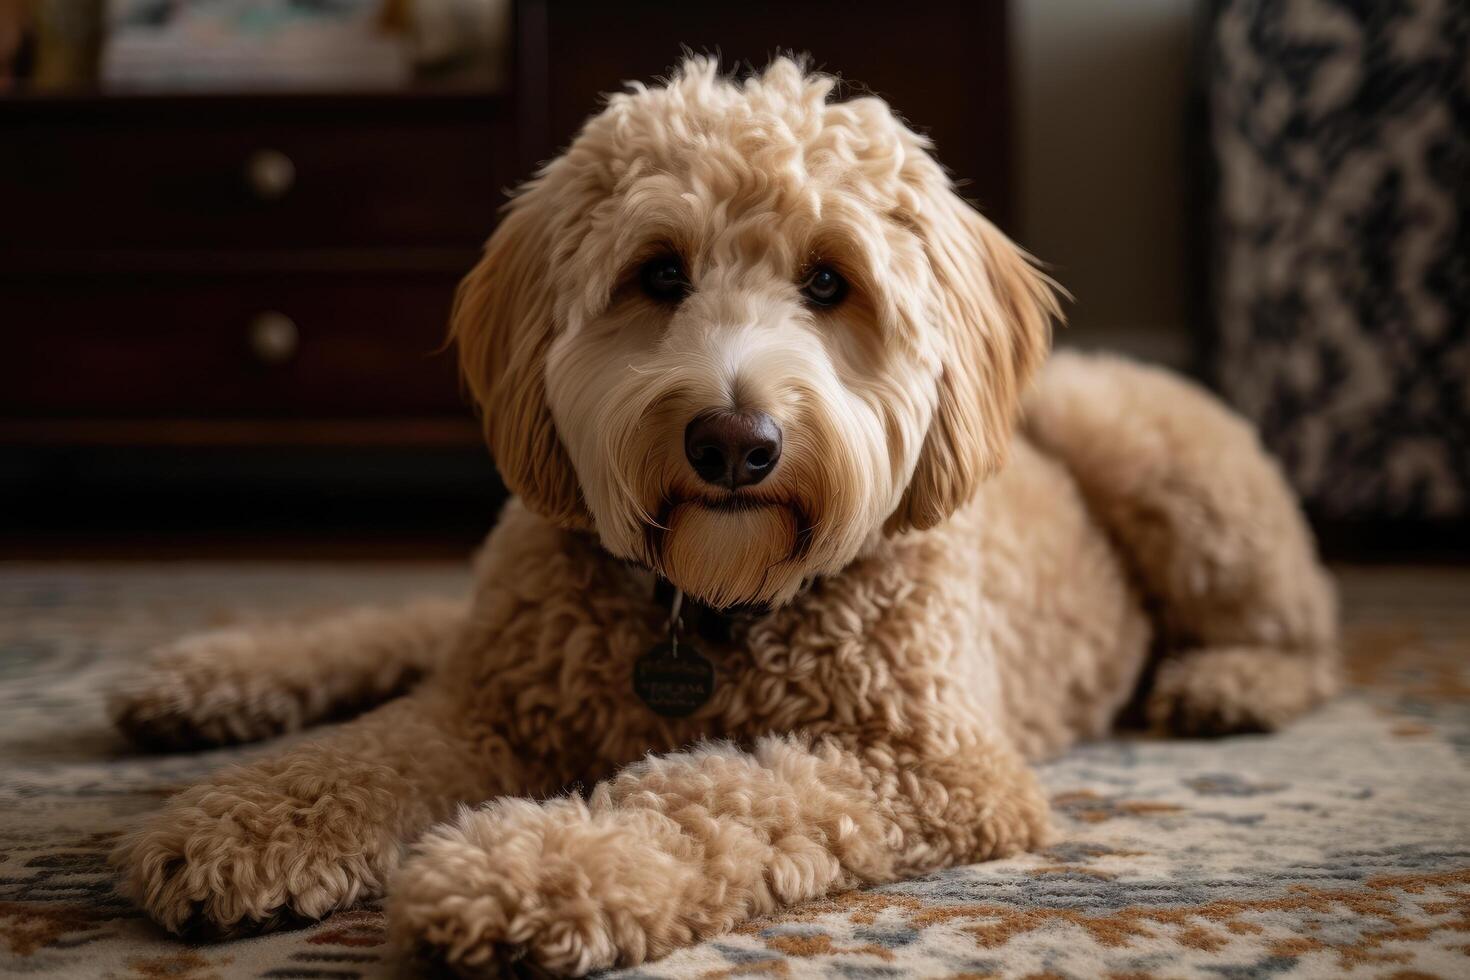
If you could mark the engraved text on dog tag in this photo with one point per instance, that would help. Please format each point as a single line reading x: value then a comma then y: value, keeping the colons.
x: 673, y: 681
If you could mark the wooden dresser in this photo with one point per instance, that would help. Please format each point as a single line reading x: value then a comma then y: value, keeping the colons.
x: 262, y: 270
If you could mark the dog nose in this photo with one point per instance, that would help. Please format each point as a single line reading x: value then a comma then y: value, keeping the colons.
x: 732, y: 449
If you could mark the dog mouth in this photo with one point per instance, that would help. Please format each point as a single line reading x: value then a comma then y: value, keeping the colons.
x: 734, y: 502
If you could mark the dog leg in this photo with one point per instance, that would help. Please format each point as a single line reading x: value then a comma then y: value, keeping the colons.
x: 241, y: 685
x: 315, y: 829
x: 1213, y: 534
x: 686, y: 846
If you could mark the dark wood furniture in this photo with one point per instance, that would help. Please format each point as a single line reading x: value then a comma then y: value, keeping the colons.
x: 944, y: 66
x: 227, y: 269
x: 212, y: 307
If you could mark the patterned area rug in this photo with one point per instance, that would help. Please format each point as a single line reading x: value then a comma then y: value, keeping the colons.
x: 1338, y: 848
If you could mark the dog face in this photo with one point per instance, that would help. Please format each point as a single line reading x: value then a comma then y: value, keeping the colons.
x: 740, y: 331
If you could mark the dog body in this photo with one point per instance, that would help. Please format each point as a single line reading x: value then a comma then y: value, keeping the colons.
x: 1000, y: 652
x: 747, y: 341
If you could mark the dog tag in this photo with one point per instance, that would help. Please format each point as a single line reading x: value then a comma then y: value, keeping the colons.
x: 674, y: 681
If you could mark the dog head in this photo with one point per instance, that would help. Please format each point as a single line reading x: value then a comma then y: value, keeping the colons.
x: 740, y: 331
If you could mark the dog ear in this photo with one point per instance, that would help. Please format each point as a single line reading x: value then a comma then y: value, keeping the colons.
x: 996, y: 310
x: 502, y: 323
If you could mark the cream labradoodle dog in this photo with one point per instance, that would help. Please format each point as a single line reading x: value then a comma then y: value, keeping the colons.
x: 743, y: 348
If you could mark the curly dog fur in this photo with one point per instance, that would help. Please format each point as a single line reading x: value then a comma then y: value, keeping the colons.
x: 943, y: 592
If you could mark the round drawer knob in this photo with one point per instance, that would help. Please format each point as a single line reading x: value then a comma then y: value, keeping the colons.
x: 274, y: 337
x: 270, y: 174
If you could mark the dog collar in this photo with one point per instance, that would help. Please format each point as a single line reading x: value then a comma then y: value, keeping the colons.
x: 712, y: 625
x: 673, y: 678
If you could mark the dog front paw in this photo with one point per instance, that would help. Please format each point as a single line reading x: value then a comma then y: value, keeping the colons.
x: 519, y: 887
x: 258, y: 849
x: 187, y: 697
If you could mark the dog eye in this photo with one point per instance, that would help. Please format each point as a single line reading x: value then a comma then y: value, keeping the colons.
x: 824, y: 286
x: 663, y: 279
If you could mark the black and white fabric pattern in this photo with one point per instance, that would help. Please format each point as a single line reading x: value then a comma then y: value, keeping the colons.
x: 1341, y: 138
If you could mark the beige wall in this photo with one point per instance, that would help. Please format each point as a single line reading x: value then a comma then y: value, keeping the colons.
x: 1101, y: 87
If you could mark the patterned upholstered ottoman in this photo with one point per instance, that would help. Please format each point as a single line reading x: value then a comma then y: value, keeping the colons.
x: 1341, y: 137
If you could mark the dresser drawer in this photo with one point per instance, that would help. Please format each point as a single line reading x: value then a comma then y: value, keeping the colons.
x: 222, y: 173
x: 349, y: 345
